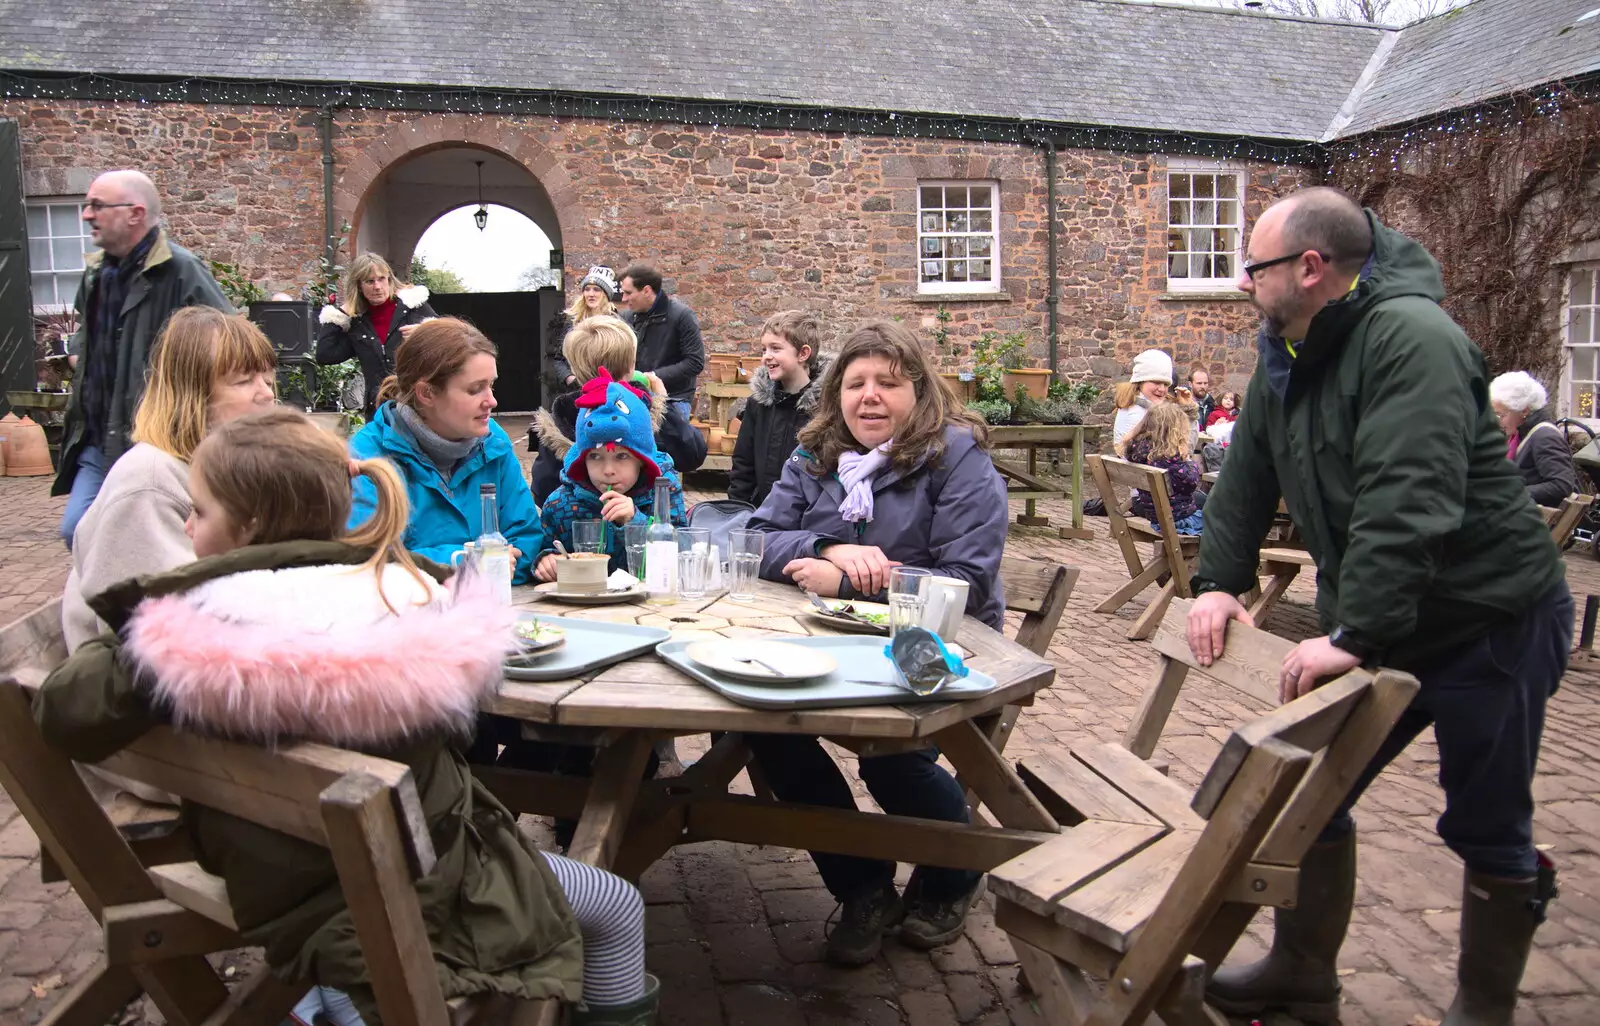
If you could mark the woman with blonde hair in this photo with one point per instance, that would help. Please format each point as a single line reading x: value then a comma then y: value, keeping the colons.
x: 1161, y: 440
x: 376, y: 315
x: 597, y: 297
x: 291, y: 626
x: 208, y: 368
x: 891, y: 470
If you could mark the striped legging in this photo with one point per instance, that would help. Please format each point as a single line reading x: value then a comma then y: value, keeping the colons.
x: 610, y: 914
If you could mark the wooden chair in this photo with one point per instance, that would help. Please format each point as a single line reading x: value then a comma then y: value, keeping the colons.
x: 1172, y: 550
x: 1564, y: 520
x: 1148, y: 885
x: 159, y: 922
x: 1280, y: 566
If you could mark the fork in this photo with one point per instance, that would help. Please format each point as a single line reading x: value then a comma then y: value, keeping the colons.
x: 758, y: 662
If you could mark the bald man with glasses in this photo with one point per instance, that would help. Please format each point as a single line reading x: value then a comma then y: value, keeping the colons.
x: 130, y: 287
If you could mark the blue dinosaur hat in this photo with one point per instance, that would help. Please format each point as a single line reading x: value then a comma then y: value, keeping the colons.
x: 611, y: 414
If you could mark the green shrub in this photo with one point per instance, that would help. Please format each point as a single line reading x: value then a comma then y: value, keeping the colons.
x: 993, y: 411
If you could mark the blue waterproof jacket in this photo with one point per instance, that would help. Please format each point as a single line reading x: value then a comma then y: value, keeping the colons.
x: 447, y: 514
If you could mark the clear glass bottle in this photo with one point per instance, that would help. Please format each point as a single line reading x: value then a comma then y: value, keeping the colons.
x: 661, y: 547
x: 494, y: 552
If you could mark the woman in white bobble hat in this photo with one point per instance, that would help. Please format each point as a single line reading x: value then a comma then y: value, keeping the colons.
x: 1146, y: 386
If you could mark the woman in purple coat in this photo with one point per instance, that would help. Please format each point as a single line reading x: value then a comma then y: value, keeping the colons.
x: 891, y: 470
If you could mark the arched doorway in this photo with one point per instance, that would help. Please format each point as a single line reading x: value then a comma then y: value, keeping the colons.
x: 421, y: 187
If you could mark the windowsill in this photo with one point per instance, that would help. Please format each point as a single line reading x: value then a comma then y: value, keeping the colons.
x: 997, y: 296
x: 1206, y: 296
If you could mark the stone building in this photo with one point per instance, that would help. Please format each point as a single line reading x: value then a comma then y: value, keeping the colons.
x: 1079, y: 170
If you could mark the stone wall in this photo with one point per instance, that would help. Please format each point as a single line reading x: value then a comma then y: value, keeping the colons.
x: 743, y: 222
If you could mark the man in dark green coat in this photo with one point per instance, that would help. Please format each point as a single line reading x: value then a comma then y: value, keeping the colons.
x: 1369, y: 415
x: 129, y: 289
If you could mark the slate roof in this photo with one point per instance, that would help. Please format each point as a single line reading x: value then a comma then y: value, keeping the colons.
x: 1115, y: 63
x: 1486, y: 49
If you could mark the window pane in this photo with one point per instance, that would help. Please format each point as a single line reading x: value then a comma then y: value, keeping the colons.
x: 1204, y: 185
x: 1582, y: 326
x: 1177, y: 212
x: 64, y: 219
x: 932, y: 197
x: 1177, y: 240
x: 1227, y: 212
x: 980, y: 195
x: 39, y: 253
x: 932, y: 222
x: 44, y: 289
x: 955, y: 221
x: 1223, y: 264
x: 1582, y: 364
x: 930, y: 247
x: 68, y: 253
x: 1178, y: 265
x: 955, y: 196
x: 955, y: 247
x: 982, y: 221
x: 1581, y: 403
x: 957, y: 271
x: 1199, y: 240
x: 1222, y: 240
x: 978, y: 246
x: 1205, y: 212
x: 931, y: 270
x: 38, y: 222
x: 1178, y: 186
x: 980, y: 270
x: 1227, y: 185
x: 1582, y: 290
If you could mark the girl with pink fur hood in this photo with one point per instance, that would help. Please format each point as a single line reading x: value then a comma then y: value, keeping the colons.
x: 289, y: 628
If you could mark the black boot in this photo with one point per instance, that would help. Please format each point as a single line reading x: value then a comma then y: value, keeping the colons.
x: 1299, y: 975
x: 857, y: 937
x: 1498, y: 917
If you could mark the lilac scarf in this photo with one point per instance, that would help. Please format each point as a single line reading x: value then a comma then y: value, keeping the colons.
x: 857, y: 470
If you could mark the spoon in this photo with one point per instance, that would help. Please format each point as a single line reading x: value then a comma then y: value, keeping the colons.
x: 758, y: 662
x: 562, y: 549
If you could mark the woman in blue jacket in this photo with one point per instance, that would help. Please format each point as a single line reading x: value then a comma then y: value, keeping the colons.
x: 433, y: 421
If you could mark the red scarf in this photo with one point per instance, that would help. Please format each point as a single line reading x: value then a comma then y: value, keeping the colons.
x: 382, y: 316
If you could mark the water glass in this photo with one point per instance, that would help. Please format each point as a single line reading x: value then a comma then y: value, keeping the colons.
x: 588, y: 536
x: 908, y: 593
x: 694, y: 562
x: 634, y: 537
x: 745, y: 549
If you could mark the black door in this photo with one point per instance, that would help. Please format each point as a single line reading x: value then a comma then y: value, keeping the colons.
x: 515, y: 322
x: 16, y: 302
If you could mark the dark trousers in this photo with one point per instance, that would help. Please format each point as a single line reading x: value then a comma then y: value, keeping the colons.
x: 1486, y: 704
x: 909, y: 784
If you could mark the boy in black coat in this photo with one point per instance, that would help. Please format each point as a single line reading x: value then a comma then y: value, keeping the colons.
x: 783, y: 395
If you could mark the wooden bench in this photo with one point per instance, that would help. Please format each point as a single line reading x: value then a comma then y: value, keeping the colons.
x: 160, y: 921
x: 1172, y: 550
x: 1564, y: 519
x: 1148, y: 885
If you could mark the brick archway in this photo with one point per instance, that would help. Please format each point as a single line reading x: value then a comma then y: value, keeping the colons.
x: 360, y: 173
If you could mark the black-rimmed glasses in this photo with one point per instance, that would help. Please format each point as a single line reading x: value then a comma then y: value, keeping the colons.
x: 1252, y: 269
x: 97, y: 206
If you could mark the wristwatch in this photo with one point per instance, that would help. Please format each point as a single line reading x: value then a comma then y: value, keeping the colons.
x: 1342, y: 637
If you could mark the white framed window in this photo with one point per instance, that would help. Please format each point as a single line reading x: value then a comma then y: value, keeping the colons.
x: 958, y: 236
x: 1205, y: 223
x: 58, y: 241
x: 1581, y: 336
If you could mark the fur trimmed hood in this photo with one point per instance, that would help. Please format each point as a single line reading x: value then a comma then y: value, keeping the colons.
x: 312, y: 652
x: 763, y: 391
x: 554, y: 430
x: 333, y: 315
x: 410, y: 297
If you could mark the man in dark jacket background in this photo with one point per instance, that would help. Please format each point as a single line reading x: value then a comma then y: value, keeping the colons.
x: 1369, y: 413
x: 128, y: 291
x: 669, y: 335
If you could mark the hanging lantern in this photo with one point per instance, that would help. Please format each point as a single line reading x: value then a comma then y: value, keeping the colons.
x: 481, y: 216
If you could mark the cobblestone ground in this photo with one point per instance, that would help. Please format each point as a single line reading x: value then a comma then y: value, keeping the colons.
x: 735, y: 932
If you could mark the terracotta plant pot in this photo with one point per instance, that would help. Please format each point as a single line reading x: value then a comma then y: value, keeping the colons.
x: 27, y: 452
x: 728, y: 371
x: 733, y: 426
x: 966, y: 389
x: 747, y: 367
x: 1034, y: 380
x: 714, y: 439
x: 727, y: 444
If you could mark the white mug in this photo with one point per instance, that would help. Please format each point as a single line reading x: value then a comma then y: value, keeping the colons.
x: 944, y: 605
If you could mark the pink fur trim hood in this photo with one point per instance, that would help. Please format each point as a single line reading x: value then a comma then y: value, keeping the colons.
x: 301, y: 654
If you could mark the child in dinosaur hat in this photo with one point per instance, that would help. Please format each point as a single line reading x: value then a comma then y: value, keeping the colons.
x: 609, y: 472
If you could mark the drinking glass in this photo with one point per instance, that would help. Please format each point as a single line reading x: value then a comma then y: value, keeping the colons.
x: 907, y: 595
x: 634, y: 537
x: 745, y: 550
x: 588, y: 536
x: 694, y: 562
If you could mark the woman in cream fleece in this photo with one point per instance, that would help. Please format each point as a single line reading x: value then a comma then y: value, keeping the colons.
x: 208, y: 368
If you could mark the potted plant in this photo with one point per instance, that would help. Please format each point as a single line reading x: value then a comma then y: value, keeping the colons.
x: 325, y: 394
x: 1012, y: 352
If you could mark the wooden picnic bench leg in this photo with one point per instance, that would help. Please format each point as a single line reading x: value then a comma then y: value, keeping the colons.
x: 1150, y: 619
x: 996, y: 783
x: 618, y: 769
x: 1145, y: 577
x: 101, y: 993
x: 375, y: 876
x: 660, y: 822
x: 262, y: 1000
x: 102, y: 868
x: 1282, y: 576
x: 996, y: 728
x: 1062, y: 991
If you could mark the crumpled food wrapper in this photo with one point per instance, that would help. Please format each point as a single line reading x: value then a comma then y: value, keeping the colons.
x: 922, y: 662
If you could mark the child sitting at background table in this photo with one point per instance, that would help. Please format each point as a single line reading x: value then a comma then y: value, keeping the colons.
x: 1161, y: 440
x: 1227, y: 410
x: 609, y: 472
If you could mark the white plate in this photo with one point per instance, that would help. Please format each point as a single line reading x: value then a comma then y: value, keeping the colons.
x: 554, y: 638
x: 590, y: 598
x: 796, y: 663
x: 848, y: 626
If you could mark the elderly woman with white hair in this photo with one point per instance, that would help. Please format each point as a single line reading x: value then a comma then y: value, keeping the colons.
x: 1533, y: 442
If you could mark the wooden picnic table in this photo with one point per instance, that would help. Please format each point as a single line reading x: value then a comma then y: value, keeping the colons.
x: 625, y: 822
x: 1026, y: 484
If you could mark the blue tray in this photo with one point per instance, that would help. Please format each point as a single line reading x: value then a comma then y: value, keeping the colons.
x: 860, y: 659
x: 591, y: 644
